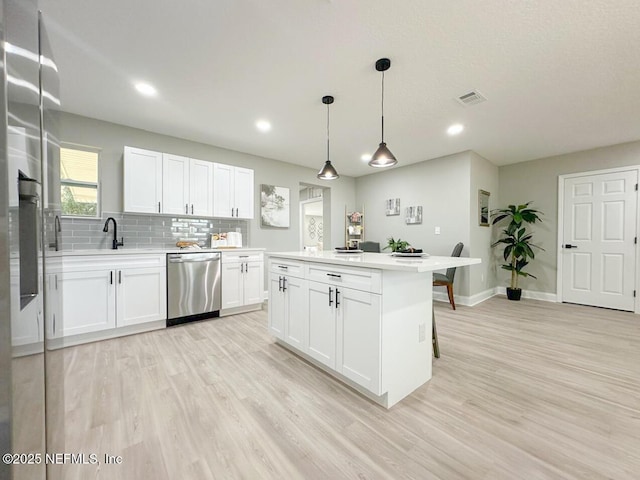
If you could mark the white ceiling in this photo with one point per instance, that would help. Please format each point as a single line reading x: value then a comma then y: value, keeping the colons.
x: 559, y: 76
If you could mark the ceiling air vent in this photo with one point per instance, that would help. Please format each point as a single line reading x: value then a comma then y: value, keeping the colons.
x: 471, y: 98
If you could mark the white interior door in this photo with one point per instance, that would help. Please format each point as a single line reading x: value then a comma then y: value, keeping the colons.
x: 598, y: 244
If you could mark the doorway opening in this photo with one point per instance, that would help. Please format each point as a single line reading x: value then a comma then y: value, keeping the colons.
x: 315, y: 232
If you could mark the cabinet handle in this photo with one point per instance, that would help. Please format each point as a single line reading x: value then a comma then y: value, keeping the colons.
x: 56, y: 281
x: 335, y: 275
x: 232, y: 211
x: 237, y: 215
x: 246, y: 267
x: 158, y: 207
x: 337, y: 298
x: 280, y: 284
x: 111, y: 277
x: 283, y: 267
x: 330, y: 296
x: 186, y: 208
x: 284, y: 284
x: 192, y: 209
x: 242, y: 268
x: 119, y: 276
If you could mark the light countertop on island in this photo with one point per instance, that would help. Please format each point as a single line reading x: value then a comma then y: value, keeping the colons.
x: 382, y: 261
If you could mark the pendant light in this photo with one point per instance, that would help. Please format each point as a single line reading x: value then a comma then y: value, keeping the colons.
x: 383, y: 156
x: 328, y: 172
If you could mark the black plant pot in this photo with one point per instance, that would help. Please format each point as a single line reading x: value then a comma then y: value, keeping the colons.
x: 514, y: 293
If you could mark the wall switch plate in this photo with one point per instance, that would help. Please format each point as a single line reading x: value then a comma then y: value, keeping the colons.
x: 437, y: 231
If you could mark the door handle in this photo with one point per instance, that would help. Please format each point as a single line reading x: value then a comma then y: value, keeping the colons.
x: 568, y: 245
x: 337, y: 298
x: 330, y: 296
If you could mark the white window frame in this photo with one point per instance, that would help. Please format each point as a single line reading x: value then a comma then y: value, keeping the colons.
x: 76, y: 183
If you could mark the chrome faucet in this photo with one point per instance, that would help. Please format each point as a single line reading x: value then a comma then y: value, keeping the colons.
x: 115, y: 243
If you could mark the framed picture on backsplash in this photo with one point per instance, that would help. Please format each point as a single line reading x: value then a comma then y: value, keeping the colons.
x: 393, y: 207
x: 413, y: 215
x: 483, y: 208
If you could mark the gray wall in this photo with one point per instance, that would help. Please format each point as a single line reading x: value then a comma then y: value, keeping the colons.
x: 484, y: 176
x: 537, y: 180
x: 111, y: 139
x: 442, y: 187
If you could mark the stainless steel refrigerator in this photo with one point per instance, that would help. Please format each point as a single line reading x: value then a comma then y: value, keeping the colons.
x: 31, y: 382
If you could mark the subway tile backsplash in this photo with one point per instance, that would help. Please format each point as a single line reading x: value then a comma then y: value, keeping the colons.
x: 146, y: 231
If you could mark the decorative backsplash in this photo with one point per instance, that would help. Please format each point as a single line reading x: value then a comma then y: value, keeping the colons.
x: 146, y: 231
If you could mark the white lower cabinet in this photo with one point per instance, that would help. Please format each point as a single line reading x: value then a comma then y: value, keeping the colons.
x: 107, y: 292
x: 288, y: 312
x: 344, y: 332
x: 359, y: 322
x: 322, y: 323
x: 89, y: 302
x: 337, y: 326
x: 141, y: 296
x: 242, y: 280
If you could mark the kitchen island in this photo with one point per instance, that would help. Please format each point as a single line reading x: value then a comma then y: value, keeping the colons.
x: 365, y: 318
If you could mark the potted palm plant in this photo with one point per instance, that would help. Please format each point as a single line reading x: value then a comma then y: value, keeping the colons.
x: 518, y: 248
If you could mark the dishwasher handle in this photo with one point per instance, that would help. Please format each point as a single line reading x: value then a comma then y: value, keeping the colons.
x: 193, y: 258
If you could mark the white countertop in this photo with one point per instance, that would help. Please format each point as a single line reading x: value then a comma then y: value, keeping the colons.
x: 156, y: 251
x: 382, y: 261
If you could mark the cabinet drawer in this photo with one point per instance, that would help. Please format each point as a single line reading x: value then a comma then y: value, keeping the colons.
x: 290, y: 267
x: 246, y: 256
x: 83, y: 263
x: 365, y: 279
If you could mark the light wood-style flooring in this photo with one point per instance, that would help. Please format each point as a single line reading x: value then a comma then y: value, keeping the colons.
x: 522, y: 391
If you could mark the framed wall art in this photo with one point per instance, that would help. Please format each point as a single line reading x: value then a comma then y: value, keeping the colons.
x: 393, y: 206
x: 274, y: 206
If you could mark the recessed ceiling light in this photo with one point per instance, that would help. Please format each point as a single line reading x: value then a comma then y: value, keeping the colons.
x: 455, y: 129
x: 146, y: 89
x: 365, y: 157
x: 263, y: 125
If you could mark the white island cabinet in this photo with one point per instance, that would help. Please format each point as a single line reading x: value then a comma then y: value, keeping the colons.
x: 364, y: 318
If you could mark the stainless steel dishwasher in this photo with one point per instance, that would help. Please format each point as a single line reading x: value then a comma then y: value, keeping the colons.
x: 193, y: 286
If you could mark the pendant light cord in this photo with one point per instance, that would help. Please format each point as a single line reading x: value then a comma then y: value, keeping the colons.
x: 327, y: 132
x: 383, y: 107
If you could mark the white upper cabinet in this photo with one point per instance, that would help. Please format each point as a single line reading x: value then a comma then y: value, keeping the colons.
x: 175, y: 184
x: 157, y: 182
x: 201, y: 188
x: 233, y: 191
x: 223, y: 201
x: 243, y: 192
x: 142, y: 181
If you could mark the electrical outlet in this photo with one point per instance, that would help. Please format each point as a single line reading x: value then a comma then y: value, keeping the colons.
x: 422, y: 332
x: 437, y: 231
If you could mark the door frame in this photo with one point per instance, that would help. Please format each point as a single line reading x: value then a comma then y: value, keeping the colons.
x: 560, y: 227
x: 302, y: 204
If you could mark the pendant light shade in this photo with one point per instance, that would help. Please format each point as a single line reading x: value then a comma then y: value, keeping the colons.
x: 383, y: 157
x: 328, y: 172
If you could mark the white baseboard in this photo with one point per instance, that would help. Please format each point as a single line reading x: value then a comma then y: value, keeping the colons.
x: 532, y: 294
x: 470, y: 301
